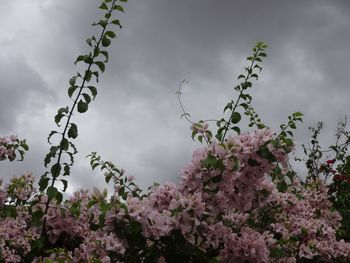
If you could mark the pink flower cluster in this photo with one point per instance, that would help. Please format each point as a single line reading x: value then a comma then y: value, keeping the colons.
x: 226, y: 209
x: 7, y: 147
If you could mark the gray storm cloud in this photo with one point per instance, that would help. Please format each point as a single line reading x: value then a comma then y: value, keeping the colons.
x: 134, y: 120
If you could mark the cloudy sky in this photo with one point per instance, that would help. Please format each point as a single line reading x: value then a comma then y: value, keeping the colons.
x: 135, y: 119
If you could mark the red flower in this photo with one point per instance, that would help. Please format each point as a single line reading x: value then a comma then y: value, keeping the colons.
x: 330, y: 161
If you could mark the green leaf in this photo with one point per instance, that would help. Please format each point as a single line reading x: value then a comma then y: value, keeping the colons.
x: 96, y: 51
x: 25, y: 145
x: 110, y: 34
x: 88, y: 75
x: 236, y: 117
x: 119, y: 8
x: 105, y: 53
x: 93, y: 166
x: 79, y: 58
x: 88, y: 59
x: 58, y: 118
x: 72, y: 80
x: 71, y: 90
x: 236, y: 129
x: 244, y: 105
x: 116, y: 22
x: 103, y: 22
x: 59, y: 197
x: 64, y: 144
x: 86, y: 97
x: 73, y: 131
x: 103, y: 6
x: 89, y: 42
x: 50, y: 135
x: 93, y: 91
x: 51, y: 192
x: 106, y: 41
x: 66, y: 170
x: 65, y: 184
x: 55, y: 170
x: 82, y: 106
x: 96, y: 75
x: 43, y: 183
x: 101, y: 65
x: 63, y: 110
x: 74, y: 148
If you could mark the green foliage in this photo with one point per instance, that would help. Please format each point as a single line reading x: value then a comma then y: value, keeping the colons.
x: 81, y: 101
x: 126, y: 185
x: 243, y: 100
x: 332, y: 163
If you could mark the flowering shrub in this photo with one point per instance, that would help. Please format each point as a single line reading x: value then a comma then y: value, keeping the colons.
x: 9, y: 145
x: 238, y: 199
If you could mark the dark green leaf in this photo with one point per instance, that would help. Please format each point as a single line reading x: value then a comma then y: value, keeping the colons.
x: 87, y: 98
x: 89, y: 42
x: 74, y: 148
x: 101, y: 65
x: 65, y: 184
x: 63, y: 110
x: 66, y: 170
x: 236, y: 117
x: 59, y: 197
x: 103, y: 6
x: 96, y: 51
x: 50, y: 135
x: 64, y: 144
x: 93, y: 166
x: 236, y: 129
x: 110, y: 34
x: 119, y: 8
x: 51, y: 192
x: 79, y: 58
x: 82, y: 106
x: 71, y: 90
x: 55, y: 170
x: 43, y: 183
x: 103, y: 22
x: 105, y: 53
x: 58, y: 118
x: 88, y: 75
x: 93, y: 91
x: 73, y: 80
x: 244, y: 105
x: 116, y: 22
x: 241, y: 77
x: 73, y: 131
x: 106, y: 41
x: 96, y: 75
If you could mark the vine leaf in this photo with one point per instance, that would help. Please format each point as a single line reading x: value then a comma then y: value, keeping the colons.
x: 82, y: 106
x: 73, y: 131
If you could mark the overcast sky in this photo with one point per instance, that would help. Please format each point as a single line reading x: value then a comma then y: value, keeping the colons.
x: 135, y: 119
